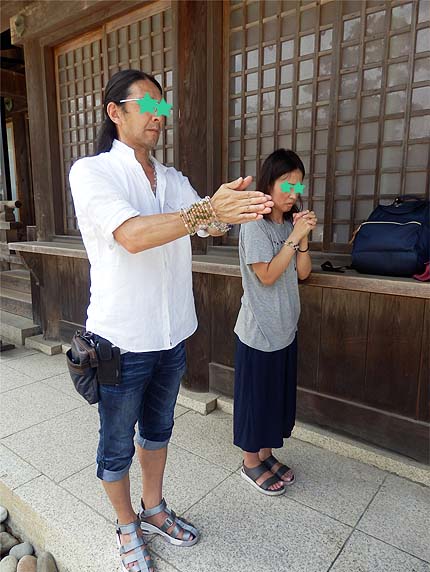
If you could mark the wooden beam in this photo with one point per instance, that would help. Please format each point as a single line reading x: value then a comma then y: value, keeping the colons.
x: 12, y: 84
x: 56, y: 21
x: 8, y: 9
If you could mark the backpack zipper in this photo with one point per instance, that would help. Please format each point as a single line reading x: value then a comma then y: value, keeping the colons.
x: 354, y: 234
x: 388, y: 222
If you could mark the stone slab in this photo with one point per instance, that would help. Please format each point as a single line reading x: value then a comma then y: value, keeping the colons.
x: 16, y: 353
x: 363, y: 553
x: 400, y: 515
x: 68, y: 452
x: 47, y: 347
x: 225, y: 404
x: 26, y: 406
x: 202, y: 403
x: 187, y: 479
x: 243, y: 530
x: 11, y: 379
x: 39, y: 366
x: 16, y: 328
x: 63, y: 383
x: 369, y: 454
x: 65, y: 348
x: 208, y: 437
x: 63, y: 526
x: 339, y: 487
x: 14, y: 471
x: 180, y: 410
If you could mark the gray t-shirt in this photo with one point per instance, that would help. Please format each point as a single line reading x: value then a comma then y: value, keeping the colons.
x: 268, y: 316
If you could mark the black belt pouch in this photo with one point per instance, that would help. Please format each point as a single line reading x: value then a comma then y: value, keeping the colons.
x: 109, y: 362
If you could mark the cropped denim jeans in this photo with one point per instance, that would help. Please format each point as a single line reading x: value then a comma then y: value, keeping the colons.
x: 147, y: 396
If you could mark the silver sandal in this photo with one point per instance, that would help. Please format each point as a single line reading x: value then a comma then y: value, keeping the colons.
x: 137, y: 543
x: 190, y: 534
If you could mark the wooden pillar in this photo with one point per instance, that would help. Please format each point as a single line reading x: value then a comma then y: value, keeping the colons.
x: 43, y: 139
x: 198, y: 26
x: 22, y: 160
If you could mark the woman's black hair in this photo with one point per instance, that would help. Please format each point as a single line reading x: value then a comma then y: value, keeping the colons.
x: 276, y: 165
x: 117, y: 88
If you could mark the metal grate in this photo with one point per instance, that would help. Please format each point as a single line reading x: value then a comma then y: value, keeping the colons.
x: 137, y: 41
x: 79, y: 95
x: 346, y: 85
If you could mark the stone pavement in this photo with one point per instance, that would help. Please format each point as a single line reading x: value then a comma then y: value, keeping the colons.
x: 342, y: 515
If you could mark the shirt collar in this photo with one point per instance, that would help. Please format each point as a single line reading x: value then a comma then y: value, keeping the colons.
x: 126, y: 151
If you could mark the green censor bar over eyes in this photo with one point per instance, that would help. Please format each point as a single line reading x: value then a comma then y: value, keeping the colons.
x: 287, y: 187
x: 148, y: 104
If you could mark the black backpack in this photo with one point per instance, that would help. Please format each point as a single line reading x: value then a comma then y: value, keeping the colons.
x: 395, y: 239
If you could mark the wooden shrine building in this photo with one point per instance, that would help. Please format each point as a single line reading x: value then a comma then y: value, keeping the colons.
x: 346, y: 83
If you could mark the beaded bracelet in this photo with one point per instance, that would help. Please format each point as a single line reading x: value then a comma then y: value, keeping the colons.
x: 201, y: 216
x: 198, y: 215
x: 219, y: 226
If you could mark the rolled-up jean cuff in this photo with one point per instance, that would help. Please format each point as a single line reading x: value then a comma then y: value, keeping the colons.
x: 111, y: 476
x: 151, y: 445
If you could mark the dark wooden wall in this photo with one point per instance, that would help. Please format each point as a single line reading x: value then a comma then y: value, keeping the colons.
x: 60, y: 293
x: 363, y: 359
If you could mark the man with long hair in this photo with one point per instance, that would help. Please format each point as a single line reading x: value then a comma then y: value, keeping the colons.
x: 135, y: 217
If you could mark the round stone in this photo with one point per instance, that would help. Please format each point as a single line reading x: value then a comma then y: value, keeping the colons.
x: 7, y: 541
x: 3, y: 514
x: 21, y: 550
x: 46, y: 563
x: 8, y: 564
x: 27, y: 564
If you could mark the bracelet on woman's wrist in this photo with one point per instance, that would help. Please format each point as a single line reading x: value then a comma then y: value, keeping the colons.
x: 293, y: 245
x: 305, y: 250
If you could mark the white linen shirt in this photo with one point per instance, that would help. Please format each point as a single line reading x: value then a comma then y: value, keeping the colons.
x: 140, y: 302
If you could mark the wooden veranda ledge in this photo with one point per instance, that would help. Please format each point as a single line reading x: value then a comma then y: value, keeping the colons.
x: 225, y: 262
x: 363, y: 364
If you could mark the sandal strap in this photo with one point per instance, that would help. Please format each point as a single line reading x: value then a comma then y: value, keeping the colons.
x: 141, y: 556
x: 269, y: 482
x: 146, y: 512
x: 128, y: 528
x: 179, y: 524
x: 184, y: 524
x: 271, y: 461
x: 172, y: 520
x: 135, y: 542
x: 142, y: 564
x: 256, y: 472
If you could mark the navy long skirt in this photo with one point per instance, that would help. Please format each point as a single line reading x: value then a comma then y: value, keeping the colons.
x: 265, y: 392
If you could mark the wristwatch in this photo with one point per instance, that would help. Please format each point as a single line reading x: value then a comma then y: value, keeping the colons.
x: 293, y: 245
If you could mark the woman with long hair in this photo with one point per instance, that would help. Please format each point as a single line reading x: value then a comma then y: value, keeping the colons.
x: 274, y: 254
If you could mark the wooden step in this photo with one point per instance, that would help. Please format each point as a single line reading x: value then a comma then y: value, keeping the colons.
x: 14, y: 302
x: 18, y: 280
x: 16, y: 329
